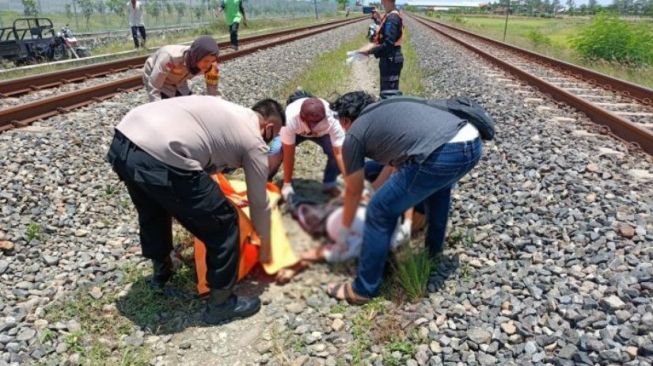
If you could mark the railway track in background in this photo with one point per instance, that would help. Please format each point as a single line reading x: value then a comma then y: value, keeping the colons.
x: 25, y: 85
x: 624, y: 109
x: 25, y: 114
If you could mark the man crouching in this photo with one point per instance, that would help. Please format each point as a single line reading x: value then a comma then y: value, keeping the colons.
x: 165, y: 151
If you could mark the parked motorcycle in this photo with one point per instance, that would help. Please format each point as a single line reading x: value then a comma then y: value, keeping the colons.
x: 65, y: 45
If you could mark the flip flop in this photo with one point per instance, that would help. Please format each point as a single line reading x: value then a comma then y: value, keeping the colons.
x: 349, y: 295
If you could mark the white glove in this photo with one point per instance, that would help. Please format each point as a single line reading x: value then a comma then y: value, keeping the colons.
x: 403, y: 233
x: 287, y: 191
x: 354, y: 56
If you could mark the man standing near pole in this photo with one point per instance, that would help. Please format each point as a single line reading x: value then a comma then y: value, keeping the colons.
x: 233, y: 12
x: 136, y: 23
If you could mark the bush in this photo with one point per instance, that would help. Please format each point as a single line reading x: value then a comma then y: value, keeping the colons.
x: 413, y: 271
x: 610, y: 38
x: 538, y: 38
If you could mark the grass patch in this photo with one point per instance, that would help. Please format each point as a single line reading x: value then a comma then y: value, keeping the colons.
x: 554, y: 37
x: 328, y: 76
x: 412, y: 272
x: 33, y: 231
x: 411, y: 75
x: 105, y: 321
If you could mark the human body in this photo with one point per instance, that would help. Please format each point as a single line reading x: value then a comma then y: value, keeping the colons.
x: 165, y: 151
x: 310, y: 119
x: 430, y: 150
x: 167, y: 71
x: 233, y: 14
x: 387, y: 46
x: 136, y: 10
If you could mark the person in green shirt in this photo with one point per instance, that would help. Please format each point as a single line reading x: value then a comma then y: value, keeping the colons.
x: 233, y: 12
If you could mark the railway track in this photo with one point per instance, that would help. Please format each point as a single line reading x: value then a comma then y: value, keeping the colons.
x: 20, y: 86
x: 625, y: 110
x: 25, y: 114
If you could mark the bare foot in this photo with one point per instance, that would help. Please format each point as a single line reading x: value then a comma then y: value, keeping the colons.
x: 284, y: 275
x: 313, y: 255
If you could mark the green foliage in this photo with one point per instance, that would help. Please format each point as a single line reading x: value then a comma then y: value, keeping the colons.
x: 413, y: 270
x: 69, y: 12
x: 33, y: 231
x: 180, y: 8
x: 458, y: 19
x: 404, y: 346
x: 29, y: 8
x: 117, y: 7
x: 154, y: 8
x: 538, y: 38
x: 199, y: 10
x: 87, y: 8
x: 613, y: 39
x: 100, y: 6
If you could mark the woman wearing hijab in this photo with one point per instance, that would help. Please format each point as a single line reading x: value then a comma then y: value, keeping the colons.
x: 167, y: 71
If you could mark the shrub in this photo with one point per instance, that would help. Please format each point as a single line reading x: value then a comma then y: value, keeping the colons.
x: 413, y: 271
x: 538, y: 38
x: 610, y: 38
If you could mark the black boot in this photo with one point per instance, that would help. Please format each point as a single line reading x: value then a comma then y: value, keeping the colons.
x: 223, y: 306
x: 162, y: 272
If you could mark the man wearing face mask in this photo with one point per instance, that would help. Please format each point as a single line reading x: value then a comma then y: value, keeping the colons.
x: 311, y: 119
x: 167, y: 71
x: 165, y: 151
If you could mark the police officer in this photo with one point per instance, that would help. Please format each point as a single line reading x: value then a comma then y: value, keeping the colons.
x: 387, y: 46
x: 167, y: 71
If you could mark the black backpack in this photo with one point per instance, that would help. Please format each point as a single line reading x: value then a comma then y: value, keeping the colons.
x: 463, y: 107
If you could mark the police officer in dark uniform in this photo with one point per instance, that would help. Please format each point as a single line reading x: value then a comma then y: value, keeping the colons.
x: 387, y: 47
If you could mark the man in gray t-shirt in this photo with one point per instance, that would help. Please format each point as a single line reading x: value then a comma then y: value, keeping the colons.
x: 425, y: 150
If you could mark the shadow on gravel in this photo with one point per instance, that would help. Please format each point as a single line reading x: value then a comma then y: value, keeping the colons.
x: 178, y: 306
x: 445, y: 267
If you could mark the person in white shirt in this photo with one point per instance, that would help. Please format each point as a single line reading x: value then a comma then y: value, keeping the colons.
x: 310, y: 119
x: 136, y: 10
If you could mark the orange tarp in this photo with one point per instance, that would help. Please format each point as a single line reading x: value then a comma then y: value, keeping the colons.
x: 282, y: 253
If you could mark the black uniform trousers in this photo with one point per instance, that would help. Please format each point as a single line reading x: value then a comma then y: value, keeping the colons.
x: 233, y: 33
x: 138, y: 29
x: 390, y: 67
x: 161, y: 192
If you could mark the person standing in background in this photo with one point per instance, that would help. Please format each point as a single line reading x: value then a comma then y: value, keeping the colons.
x: 233, y: 13
x: 136, y: 10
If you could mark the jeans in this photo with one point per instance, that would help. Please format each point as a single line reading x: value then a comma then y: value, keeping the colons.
x: 331, y: 170
x: 160, y: 192
x: 233, y: 33
x: 135, y: 31
x: 431, y: 182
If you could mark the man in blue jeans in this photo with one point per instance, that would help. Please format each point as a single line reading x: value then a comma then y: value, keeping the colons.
x: 428, y: 149
x: 309, y: 119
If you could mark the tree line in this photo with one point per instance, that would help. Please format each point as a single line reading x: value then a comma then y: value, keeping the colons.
x: 546, y: 8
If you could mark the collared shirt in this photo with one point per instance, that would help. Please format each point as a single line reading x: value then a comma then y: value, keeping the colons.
x: 206, y: 133
x: 136, y: 14
x: 295, y: 126
x: 165, y: 72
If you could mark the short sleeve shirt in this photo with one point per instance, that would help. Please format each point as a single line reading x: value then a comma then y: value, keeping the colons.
x: 396, y: 133
x: 295, y: 126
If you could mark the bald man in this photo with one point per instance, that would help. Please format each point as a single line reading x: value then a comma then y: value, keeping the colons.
x: 311, y: 119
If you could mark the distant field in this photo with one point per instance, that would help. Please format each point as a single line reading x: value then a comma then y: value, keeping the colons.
x: 551, y: 37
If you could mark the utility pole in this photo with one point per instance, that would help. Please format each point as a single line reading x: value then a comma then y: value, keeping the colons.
x: 76, y: 18
x: 315, y: 3
x: 505, y: 27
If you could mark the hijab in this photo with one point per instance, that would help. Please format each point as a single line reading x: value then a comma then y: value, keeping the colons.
x: 200, y: 48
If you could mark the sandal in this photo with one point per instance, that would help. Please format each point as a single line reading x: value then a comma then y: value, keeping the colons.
x: 344, y: 291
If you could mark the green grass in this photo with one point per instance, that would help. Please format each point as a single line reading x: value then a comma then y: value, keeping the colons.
x: 328, y: 76
x: 99, y: 340
x: 552, y: 37
x: 412, y: 272
x: 33, y: 231
x: 412, y: 75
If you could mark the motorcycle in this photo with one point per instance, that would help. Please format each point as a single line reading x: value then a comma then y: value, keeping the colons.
x: 64, y: 46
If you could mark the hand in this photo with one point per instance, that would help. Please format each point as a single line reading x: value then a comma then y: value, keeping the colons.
x: 287, y: 191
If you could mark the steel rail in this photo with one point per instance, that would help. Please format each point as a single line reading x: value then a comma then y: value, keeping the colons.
x: 19, y: 86
x: 641, y: 93
x: 25, y: 114
x: 622, y: 128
